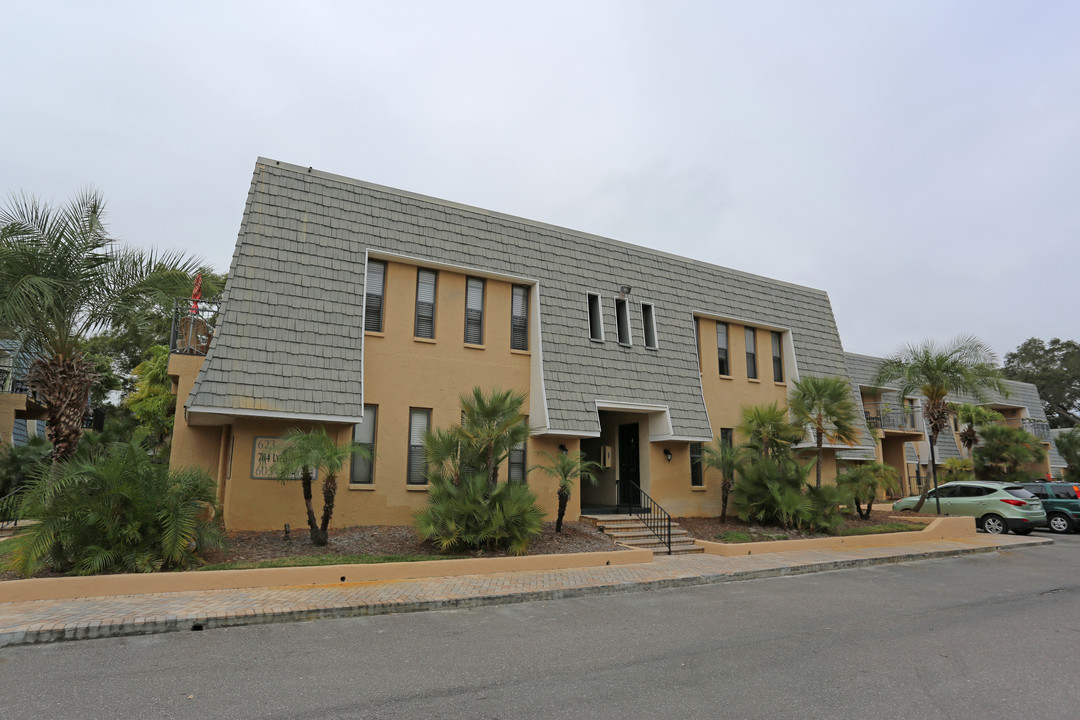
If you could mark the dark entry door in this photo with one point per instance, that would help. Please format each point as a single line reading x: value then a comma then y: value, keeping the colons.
x: 629, y: 466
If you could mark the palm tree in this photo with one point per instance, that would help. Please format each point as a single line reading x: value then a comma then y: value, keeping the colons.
x: 63, y: 279
x: 308, y: 453
x: 971, y: 416
x: 491, y: 426
x: 966, y: 365
x: 1004, y: 453
x: 767, y: 429
x: 825, y: 405
x: 864, y: 480
x: 567, y: 467
x: 1068, y: 444
x: 728, y: 459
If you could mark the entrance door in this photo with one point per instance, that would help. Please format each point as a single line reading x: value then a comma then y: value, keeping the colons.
x: 629, y: 466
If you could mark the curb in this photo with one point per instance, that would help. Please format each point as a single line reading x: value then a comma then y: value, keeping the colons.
x: 95, y: 629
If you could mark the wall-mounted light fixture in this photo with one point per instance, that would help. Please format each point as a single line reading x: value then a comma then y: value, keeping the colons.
x: 667, y: 454
x: 563, y: 449
x: 625, y: 290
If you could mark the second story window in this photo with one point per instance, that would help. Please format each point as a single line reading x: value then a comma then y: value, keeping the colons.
x: 425, y: 303
x: 596, y: 319
x: 519, y: 318
x: 777, y: 357
x: 373, y: 295
x: 648, y: 326
x: 474, y: 311
x: 622, y: 318
x: 751, y: 353
x: 722, y: 348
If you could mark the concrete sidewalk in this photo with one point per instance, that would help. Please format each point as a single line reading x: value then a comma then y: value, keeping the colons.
x: 41, y: 621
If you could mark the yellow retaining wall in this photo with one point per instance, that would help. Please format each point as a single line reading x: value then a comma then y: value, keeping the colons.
x: 108, y: 585
x: 944, y: 528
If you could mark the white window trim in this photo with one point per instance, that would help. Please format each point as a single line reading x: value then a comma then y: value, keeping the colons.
x: 600, y: 311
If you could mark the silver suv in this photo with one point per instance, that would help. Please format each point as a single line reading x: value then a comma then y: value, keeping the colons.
x: 997, y: 507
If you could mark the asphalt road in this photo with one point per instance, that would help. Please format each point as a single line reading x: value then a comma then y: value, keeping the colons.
x: 987, y: 636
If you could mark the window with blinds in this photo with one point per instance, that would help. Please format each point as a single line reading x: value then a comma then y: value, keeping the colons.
x: 374, y: 287
x: 425, y: 303
x: 751, y: 353
x: 648, y: 325
x: 362, y: 470
x: 419, y: 421
x: 519, y: 318
x: 722, y: 348
x: 474, y: 311
x: 777, y: 357
x: 516, y: 469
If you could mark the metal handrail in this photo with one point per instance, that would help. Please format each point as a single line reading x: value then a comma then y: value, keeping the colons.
x: 656, y: 518
x: 893, y: 416
x: 1038, y: 428
x: 193, y: 325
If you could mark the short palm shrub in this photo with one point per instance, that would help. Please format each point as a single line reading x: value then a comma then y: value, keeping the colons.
x: 17, y: 465
x: 770, y: 491
x: 864, y: 480
x: 472, y: 515
x: 1004, y: 453
x: 116, y: 510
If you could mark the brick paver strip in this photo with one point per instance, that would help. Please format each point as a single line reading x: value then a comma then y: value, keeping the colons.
x: 24, y: 623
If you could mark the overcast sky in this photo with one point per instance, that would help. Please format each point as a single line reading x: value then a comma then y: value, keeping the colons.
x: 920, y: 161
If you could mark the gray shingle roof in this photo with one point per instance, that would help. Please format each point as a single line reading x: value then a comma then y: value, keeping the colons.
x: 1056, y: 460
x: 296, y: 284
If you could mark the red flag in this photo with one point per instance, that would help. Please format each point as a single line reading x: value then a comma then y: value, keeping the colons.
x: 196, y: 294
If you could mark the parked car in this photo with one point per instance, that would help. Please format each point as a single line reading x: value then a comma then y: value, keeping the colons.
x: 1061, y: 502
x: 997, y: 507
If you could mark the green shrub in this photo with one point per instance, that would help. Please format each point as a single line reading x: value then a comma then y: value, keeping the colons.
x: 735, y: 536
x: 825, y: 502
x: 473, y: 515
x: 116, y: 510
x: 17, y: 465
x: 770, y: 490
x: 1004, y: 453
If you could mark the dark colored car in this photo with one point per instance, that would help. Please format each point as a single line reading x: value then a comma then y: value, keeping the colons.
x: 1062, y: 503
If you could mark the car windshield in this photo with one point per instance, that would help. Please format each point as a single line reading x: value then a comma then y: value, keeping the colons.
x: 1019, y: 492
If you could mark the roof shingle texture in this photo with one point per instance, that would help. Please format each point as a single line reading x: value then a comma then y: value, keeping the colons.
x: 290, y: 335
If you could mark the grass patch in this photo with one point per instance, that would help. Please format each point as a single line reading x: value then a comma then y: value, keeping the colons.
x: 879, y: 529
x: 735, y: 536
x: 318, y: 560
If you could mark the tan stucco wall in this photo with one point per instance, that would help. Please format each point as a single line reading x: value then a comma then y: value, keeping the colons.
x: 192, y: 445
x: 10, y: 403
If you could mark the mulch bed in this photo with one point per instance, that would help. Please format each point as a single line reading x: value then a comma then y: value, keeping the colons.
x: 710, y: 528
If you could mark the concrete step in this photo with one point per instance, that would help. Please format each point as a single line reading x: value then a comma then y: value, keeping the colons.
x: 642, y: 532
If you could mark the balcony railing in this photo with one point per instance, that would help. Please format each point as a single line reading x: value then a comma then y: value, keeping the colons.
x: 1038, y: 428
x: 193, y: 326
x: 893, y: 416
x: 13, y: 380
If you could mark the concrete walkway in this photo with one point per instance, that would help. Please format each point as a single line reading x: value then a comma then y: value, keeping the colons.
x: 41, y: 621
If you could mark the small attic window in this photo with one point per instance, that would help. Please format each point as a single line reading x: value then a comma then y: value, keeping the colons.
x: 622, y: 317
x: 596, y: 319
x: 648, y: 325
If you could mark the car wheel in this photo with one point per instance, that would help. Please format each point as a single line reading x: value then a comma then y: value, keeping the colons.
x: 1061, y: 523
x: 995, y: 525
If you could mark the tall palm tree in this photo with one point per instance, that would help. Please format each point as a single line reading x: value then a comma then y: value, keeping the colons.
x: 728, y: 459
x: 971, y: 416
x: 63, y: 279
x: 767, y: 429
x: 824, y: 405
x: 307, y: 453
x: 567, y: 467
x: 966, y: 365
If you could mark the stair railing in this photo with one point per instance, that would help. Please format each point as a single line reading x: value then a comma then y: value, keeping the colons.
x: 649, y: 511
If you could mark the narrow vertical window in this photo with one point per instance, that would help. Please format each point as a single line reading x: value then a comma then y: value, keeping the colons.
x: 648, y: 326
x: 419, y: 421
x: 362, y: 470
x: 519, y: 318
x: 425, y: 303
x: 722, y: 348
x: 751, y: 353
x: 373, y: 295
x: 622, y: 325
x: 516, y: 469
x: 474, y: 311
x: 777, y: 357
x: 696, y: 475
x: 596, y: 320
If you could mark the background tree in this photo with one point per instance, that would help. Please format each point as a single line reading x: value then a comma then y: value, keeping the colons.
x: 1068, y: 444
x: 955, y: 469
x: 152, y: 401
x: 728, y: 459
x: 567, y: 467
x: 63, y: 279
x: 1004, y: 453
x: 308, y: 453
x: 966, y: 365
x: 863, y: 481
x: 971, y: 416
x: 824, y: 405
x: 1053, y: 368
